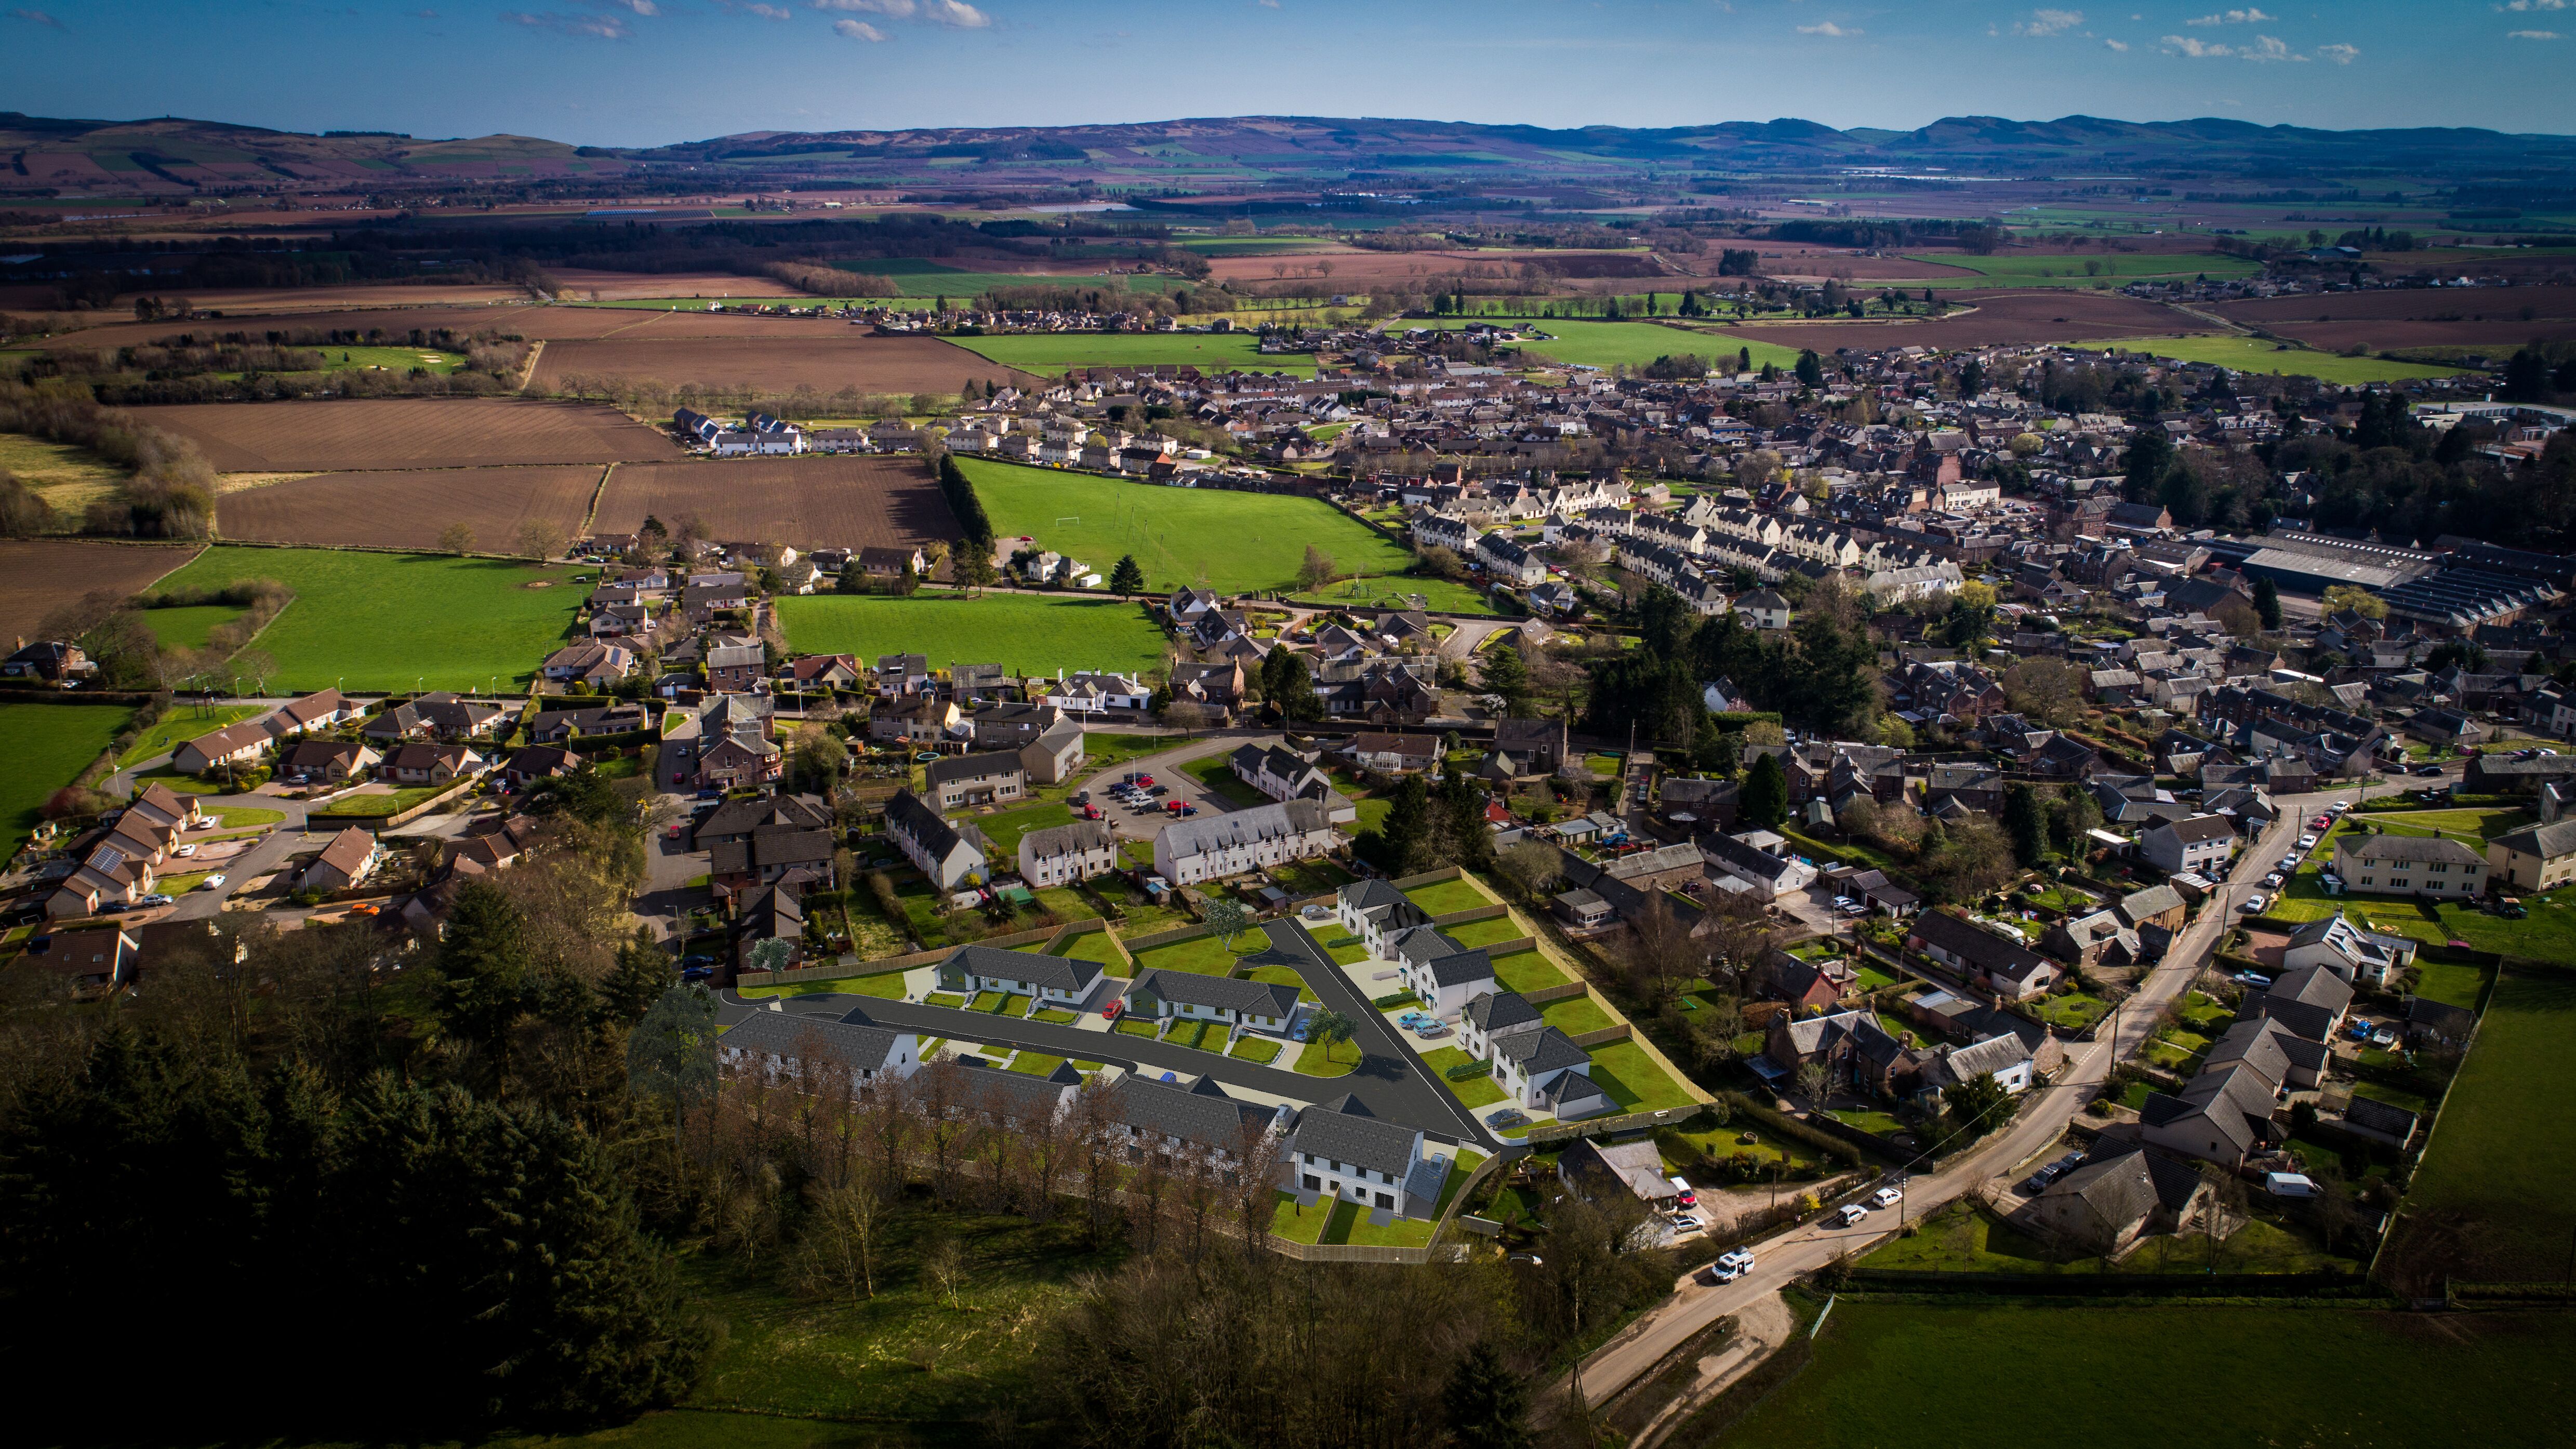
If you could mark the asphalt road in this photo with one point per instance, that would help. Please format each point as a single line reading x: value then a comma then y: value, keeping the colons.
x: 1779, y: 1260
x: 1390, y: 1080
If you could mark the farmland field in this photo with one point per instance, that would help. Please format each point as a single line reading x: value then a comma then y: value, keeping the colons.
x: 816, y: 502
x: 44, y: 574
x: 829, y: 358
x: 2000, y: 319
x: 410, y: 509
x: 1883, y: 1373
x: 2115, y: 269
x: 1240, y: 541
x: 922, y: 277
x: 2495, y: 1197
x: 2417, y: 317
x: 68, y: 478
x: 1053, y: 352
x: 49, y: 744
x: 1607, y: 344
x: 187, y: 625
x: 406, y: 433
x: 373, y: 621
x: 2253, y: 354
x: 1024, y: 633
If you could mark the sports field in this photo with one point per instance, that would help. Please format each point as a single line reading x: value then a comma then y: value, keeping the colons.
x: 1891, y: 1374
x: 2495, y: 1197
x: 2116, y: 269
x: 385, y: 621
x: 1238, y: 541
x: 1053, y: 352
x: 2253, y: 354
x: 1024, y: 633
x: 1609, y: 344
x: 49, y: 744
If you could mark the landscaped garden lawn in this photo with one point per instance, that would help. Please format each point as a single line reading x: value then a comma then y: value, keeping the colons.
x: 1474, y: 1092
x: 2495, y: 1197
x: 1204, y: 955
x: 1634, y: 1081
x: 1097, y: 946
x: 1240, y: 541
x: 1260, y: 1049
x: 1138, y: 1026
x: 1354, y: 1227
x: 1282, y: 976
x: 1390, y: 591
x: 387, y: 621
x: 2450, y: 984
x: 1884, y: 1372
x: 1721, y: 1143
x: 1350, y: 953
x: 1448, y: 895
x: 1065, y: 904
x: 2072, y: 1012
x: 1303, y: 878
x: 1371, y: 812
x: 1526, y: 971
x: 1219, y: 779
x: 1575, y: 1015
x: 2472, y: 828
x: 185, y: 626
x: 1313, y: 1061
x: 243, y: 817
x: 370, y: 806
x: 1024, y: 633
x: 1054, y: 352
x: 50, y: 743
x: 885, y: 985
x: 1963, y: 1238
x: 2255, y: 354
x: 1301, y: 1225
x: 1867, y: 1119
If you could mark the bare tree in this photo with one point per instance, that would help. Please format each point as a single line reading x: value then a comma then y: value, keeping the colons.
x: 456, y: 538
x: 948, y: 1126
x: 844, y: 1230
x: 1094, y: 1123
x: 541, y: 539
x: 1661, y: 957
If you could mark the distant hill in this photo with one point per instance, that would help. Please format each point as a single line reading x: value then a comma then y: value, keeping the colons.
x: 171, y: 155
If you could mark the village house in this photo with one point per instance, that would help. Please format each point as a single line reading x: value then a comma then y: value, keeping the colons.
x: 1376, y: 912
x: 986, y: 778
x: 346, y: 862
x: 1263, y: 1006
x: 1188, y: 852
x: 941, y: 851
x: 330, y: 762
x: 2409, y: 865
x: 1056, y: 755
x: 1984, y: 957
x: 421, y: 763
x: 1437, y: 968
x: 1058, y: 981
x: 95, y: 960
x: 1339, y: 1151
x: 784, y: 1048
x: 1062, y: 854
x: 2202, y: 844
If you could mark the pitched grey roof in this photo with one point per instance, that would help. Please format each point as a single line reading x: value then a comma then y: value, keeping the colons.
x: 1224, y: 993
x: 1496, y: 1012
x: 1994, y: 1054
x: 1245, y: 827
x: 1061, y: 973
x: 1201, y: 1114
x: 2155, y: 900
x: 2546, y: 841
x: 1449, y: 962
x: 1543, y: 1050
x: 857, y: 1047
x: 1071, y: 839
x: 1354, y: 1137
x: 980, y: 766
x: 913, y: 816
x: 2409, y: 848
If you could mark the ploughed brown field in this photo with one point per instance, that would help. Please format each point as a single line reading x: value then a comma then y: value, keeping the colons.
x: 826, y: 357
x: 2000, y: 319
x: 600, y: 286
x: 44, y: 574
x: 333, y: 299
x: 2490, y: 317
x: 367, y: 433
x: 810, y: 502
x: 411, y: 509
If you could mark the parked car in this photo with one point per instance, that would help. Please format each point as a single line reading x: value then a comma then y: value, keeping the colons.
x: 2307, y: 842
x: 2385, y: 1038
x: 2255, y: 979
x: 212, y: 882
x: 2254, y: 903
x: 1852, y: 1214
x: 692, y: 962
x: 1110, y: 1012
x: 2273, y: 880
x: 1886, y: 1197
x: 1432, y: 1029
x: 1683, y: 1194
x: 1684, y: 1223
x: 698, y: 973
x: 184, y: 851
x: 158, y: 899
x: 2037, y: 1182
x: 1508, y: 1117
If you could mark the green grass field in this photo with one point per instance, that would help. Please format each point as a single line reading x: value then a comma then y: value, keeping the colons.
x: 1886, y: 1373
x: 2495, y: 1198
x: 1608, y: 344
x: 50, y: 743
x: 919, y: 277
x: 383, y: 621
x: 187, y: 625
x: 1025, y: 633
x: 183, y: 722
x: 2023, y: 269
x: 1240, y: 541
x: 1053, y: 352
x: 389, y: 359
x: 2253, y: 354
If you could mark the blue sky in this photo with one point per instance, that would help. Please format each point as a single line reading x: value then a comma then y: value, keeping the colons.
x: 648, y: 72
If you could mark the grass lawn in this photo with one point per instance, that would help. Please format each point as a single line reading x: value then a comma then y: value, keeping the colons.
x: 367, y: 807
x: 1379, y: 591
x: 1312, y: 1062
x: 50, y: 743
x: 1607, y: 344
x: 181, y: 723
x: 1025, y: 633
x: 1527, y: 971
x: 942, y: 998
x: 2449, y: 984
x: 1302, y: 878
x: 1259, y: 1049
x: 2024, y: 269
x: 1282, y: 976
x: 1004, y: 828
x: 1240, y: 541
x: 1964, y: 1239
x: 185, y: 626
x: 1882, y: 1372
x: 1300, y: 1225
x: 884, y: 985
x: 1220, y: 780
x: 1353, y: 1226
x: 1634, y: 1081
x: 2072, y: 1012
x: 388, y: 621
x: 1724, y: 1143
x: 2495, y: 1197
x: 243, y: 817
x: 1449, y: 895
x: 1484, y: 933
x: 1476, y: 1091
x: 1575, y: 1015
x: 1202, y: 955
x: 1097, y: 946
x: 2255, y: 354
x: 1138, y: 1026
x: 1053, y: 353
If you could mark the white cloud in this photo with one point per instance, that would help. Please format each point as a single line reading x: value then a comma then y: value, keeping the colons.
x: 588, y: 27
x: 1830, y: 28
x: 2531, y: 35
x: 765, y: 12
x: 2247, y: 16
x: 640, y: 7
x: 2340, y: 54
x: 1267, y: 4
x: 860, y: 30
x: 2049, y: 22
x: 956, y: 14
x: 891, y: 9
x: 2115, y: 45
x: 2263, y: 48
x: 2522, y: 5
x: 37, y: 17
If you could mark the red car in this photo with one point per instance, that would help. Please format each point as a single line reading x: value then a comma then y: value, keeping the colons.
x: 1145, y: 780
x: 1090, y: 812
x: 1110, y: 1012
